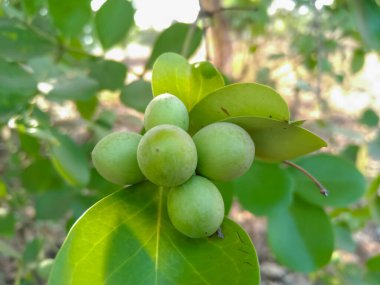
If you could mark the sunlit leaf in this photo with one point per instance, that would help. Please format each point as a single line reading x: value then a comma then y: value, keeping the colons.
x: 301, y: 237
x: 191, y: 83
x: 127, y: 238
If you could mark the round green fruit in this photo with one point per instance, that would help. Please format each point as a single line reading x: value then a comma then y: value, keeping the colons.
x: 167, y: 155
x: 196, y: 208
x: 115, y: 158
x: 225, y: 151
x: 166, y: 109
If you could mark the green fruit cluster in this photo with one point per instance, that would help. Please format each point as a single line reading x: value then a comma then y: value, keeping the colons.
x: 169, y: 157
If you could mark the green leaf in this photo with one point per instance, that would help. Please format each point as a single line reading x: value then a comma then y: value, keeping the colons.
x: 70, y: 16
x: 69, y: 160
x: 127, y: 238
x: 340, y: 177
x: 109, y: 74
x: 17, y: 88
x: 358, y: 59
x: 87, y: 108
x: 369, y: 118
x: 53, y: 205
x: 237, y: 100
x: 190, y: 83
x: 277, y: 141
x: 3, y: 189
x: 301, y: 237
x: 137, y: 95
x: 366, y: 14
x: 264, y: 189
x: 173, y: 40
x: 373, y: 263
x: 20, y: 43
x: 343, y: 237
x: 31, y: 7
x: 7, y: 223
x: 32, y: 250
x: 77, y: 88
x: 113, y: 21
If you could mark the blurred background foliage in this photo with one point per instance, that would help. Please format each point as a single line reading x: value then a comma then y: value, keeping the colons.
x: 73, y: 71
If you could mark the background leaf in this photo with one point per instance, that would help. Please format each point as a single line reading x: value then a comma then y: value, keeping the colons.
x: 339, y: 176
x: 69, y: 160
x: 137, y: 95
x: 113, y: 21
x: 369, y: 118
x: 236, y: 100
x: 78, y: 11
x: 109, y: 74
x: 265, y: 188
x: 357, y: 62
x: 127, y: 238
x: 173, y: 40
x: 301, y: 237
x: 172, y: 74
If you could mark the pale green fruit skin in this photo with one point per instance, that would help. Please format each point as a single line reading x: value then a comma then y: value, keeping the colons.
x: 167, y: 155
x: 225, y: 151
x: 166, y: 109
x: 115, y: 158
x: 196, y: 208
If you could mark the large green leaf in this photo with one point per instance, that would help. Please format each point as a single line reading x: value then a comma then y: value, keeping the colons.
x: 21, y: 43
x: 339, y: 176
x: 137, y: 95
x: 301, y: 237
x: 69, y: 160
x: 113, y: 21
x: 265, y: 188
x: 127, y: 238
x: 70, y: 16
x: 275, y: 140
x: 236, y: 100
x: 173, y: 40
x: 191, y: 83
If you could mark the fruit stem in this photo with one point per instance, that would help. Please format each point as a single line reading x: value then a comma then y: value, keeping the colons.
x: 322, y: 189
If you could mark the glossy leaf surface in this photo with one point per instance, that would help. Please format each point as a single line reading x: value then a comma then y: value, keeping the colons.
x: 127, y: 238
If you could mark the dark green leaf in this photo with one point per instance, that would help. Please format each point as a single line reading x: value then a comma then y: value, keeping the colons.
x: 109, y: 74
x: 227, y: 191
x: 301, y: 237
x: 31, y: 7
x: 264, y: 189
x: 3, y: 189
x: 351, y: 152
x: 77, y: 88
x: 31, y: 251
x: 191, y: 83
x: 369, y: 118
x: 237, y: 100
x: 137, y: 95
x: 340, y: 177
x: 173, y: 40
x: 357, y: 62
x: 87, y: 108
x: 70, y: 16
x: 113, y: 21
x: 127, y: 238
x: 277, y: 141
x: 53, y: 205
x: 17, y: 88
x: 20, y: 43
x: 7, y: 224
x: 69, y: 160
